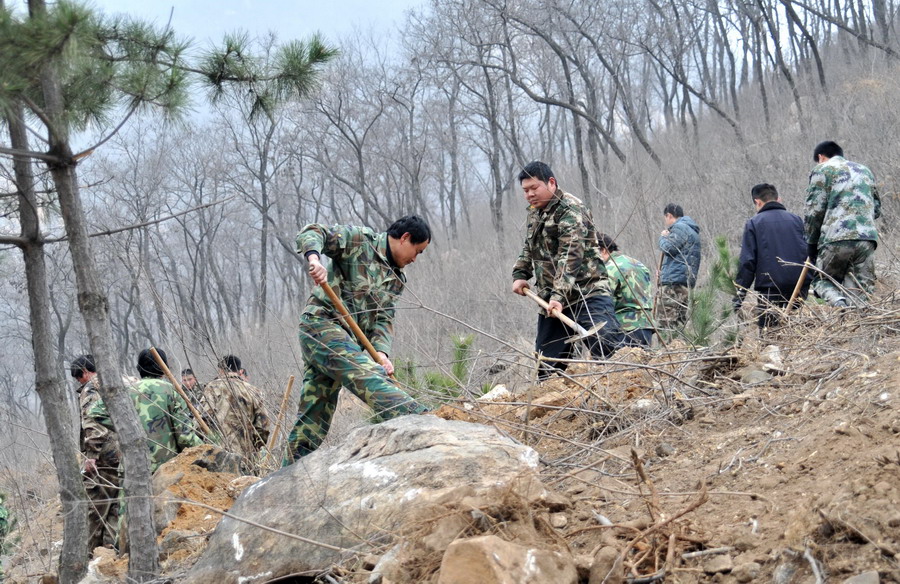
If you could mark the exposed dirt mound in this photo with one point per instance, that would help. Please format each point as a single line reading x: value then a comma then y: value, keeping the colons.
x: 780, y: 459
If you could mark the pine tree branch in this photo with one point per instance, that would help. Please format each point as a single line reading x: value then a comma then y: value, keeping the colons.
x: 31, y: 154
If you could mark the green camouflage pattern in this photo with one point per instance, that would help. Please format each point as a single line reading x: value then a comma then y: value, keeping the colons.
x: 233, y: 409
x: 333, y: 359
x: 360, y: 275
x: 631, y: 291
x: 672, y: 311
x: 852, y: 265
x: 842, y: 203
x: 164, y: 416
x: 562, y: 253
x: 99, y: 443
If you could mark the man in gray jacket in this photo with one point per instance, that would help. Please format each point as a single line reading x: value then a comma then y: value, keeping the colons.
x: 680, y: 246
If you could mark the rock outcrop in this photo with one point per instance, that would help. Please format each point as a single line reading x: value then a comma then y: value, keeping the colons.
x: 342, y: 499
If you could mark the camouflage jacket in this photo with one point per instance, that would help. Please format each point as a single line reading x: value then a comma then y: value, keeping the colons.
x: 631, y: 291
x: 234, y: 410
x: 562, y: 253
x: 842, y: 203
x: 360, y: 274
x: 97, y: 441
x: 164, y: 416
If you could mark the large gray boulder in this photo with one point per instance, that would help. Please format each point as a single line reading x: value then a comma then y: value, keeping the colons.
x: 355, y: 493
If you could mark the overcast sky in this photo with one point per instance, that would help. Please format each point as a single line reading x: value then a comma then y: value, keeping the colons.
x: 207, y: 20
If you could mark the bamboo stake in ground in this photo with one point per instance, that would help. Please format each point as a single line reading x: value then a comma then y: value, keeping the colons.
x: 345, y: 316
x: 273, y: 437
x: 194, y: 412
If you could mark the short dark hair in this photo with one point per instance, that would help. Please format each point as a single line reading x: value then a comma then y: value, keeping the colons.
x: 81, y: 364
x: 418, y: 229
x: 536, y: 169
x: 673, y: 210
x: 606, y: 242
x: 147, y: 365
x: 828, y: 149
x: 230, y: 363
x: 764, y: 192
x: 187, y: 372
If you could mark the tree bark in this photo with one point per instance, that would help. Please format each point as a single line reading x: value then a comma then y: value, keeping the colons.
x: 50, y: 387
x: 143, y: 565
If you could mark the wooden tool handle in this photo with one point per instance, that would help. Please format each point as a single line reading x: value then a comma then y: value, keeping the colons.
x: 194, y: 412
x: 557, y: 313
x: 273, y: 437
x: 345, y: 316
x: 799, y: 285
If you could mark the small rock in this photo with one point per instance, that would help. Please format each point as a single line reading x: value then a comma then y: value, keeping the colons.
x: 490, y: 560
x: 664, y: 449
x: 882, y: 487
x: 843, y: 428
x: 718, y: 564
x: 583, y: 563
x: 444, y: 531
x: 559, y: 520
x: 369, y: 562
x: 754, y: 375
x: 746, y: 572
x: 745, y: 542
x: 870, y: 577
x: 607, y: 567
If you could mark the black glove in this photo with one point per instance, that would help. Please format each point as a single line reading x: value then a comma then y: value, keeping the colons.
x: 736, y: 303
x: 812, y: 250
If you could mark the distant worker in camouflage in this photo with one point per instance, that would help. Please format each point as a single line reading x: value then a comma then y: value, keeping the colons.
x: 632, y: 293
x: 162, y: 412
x: 842, y: 205
x: 367, y: 273
x: 101, y: 458
x: 562, y: 255
x: 234, y: 410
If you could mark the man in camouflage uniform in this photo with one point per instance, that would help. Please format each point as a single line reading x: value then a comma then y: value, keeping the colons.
x: 192, y: 387
x: 162, y: 412
x: 367, y: 273
x: 562, y: 254
x: 679, y: 243
x: 234, y: 410
x: 631, y: 292
x: 101, y: 458
x: 842, y: 204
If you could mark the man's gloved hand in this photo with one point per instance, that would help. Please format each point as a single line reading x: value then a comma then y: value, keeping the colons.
x: 736, y: 303
x: 812, y: 250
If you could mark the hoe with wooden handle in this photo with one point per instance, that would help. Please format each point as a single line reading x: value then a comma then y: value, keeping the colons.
x: 345, y: 316
x: 583, y: 333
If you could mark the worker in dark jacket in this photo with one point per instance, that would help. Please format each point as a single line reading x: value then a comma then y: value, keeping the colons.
x: 772, y: 254
x: 679, y: 243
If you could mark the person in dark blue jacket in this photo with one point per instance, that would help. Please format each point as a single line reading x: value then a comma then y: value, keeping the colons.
x: 680, y: 246
x: 772, y: 254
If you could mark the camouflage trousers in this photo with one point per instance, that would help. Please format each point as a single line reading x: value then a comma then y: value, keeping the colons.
x: 850, y: 266
x: 103, y: 516
x: 333, y: 359
x: 672, y: 310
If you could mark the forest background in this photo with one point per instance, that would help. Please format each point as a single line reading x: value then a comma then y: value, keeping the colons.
x: 634, y: 103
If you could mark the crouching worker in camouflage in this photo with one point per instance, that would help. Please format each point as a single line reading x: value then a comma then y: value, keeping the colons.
x: 234, y: 410
x: 367, y: 273
x: 629, y: 280
x: 842, y: 205
x: 162, y: 412
x: 562, y: 254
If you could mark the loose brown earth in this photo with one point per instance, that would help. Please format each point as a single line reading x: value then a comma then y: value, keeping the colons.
x: 794, y: 470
